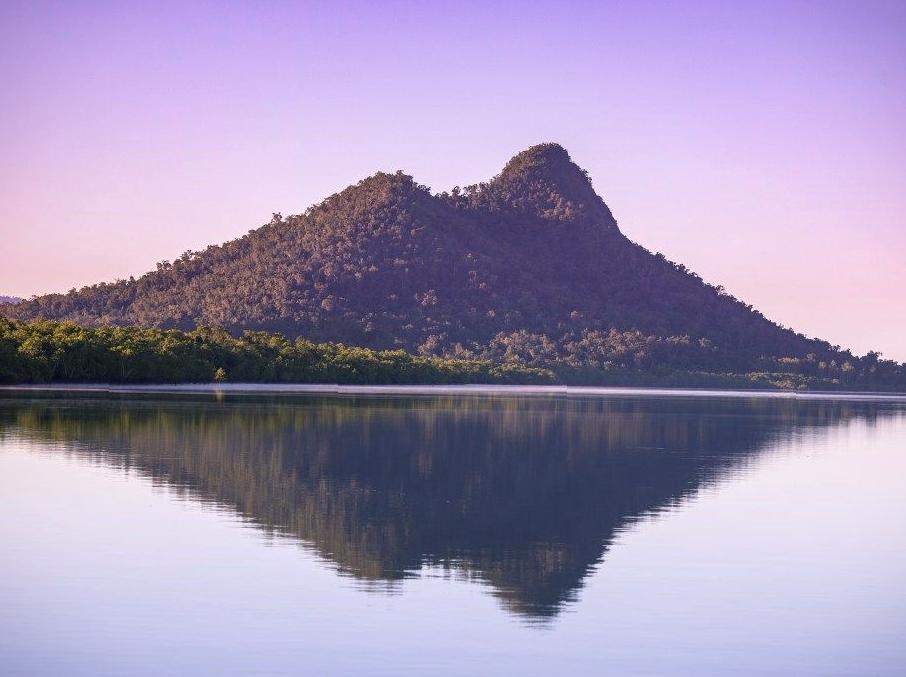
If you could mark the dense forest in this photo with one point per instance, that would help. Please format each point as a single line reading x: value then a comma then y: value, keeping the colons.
x: 528, y: 269
x: 62, y: 352
x: 48, y: 351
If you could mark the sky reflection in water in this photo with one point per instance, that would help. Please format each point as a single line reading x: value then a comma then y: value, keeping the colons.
x: 162, y: 533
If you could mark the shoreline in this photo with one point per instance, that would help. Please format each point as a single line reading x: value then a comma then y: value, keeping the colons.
x: 429, y: 390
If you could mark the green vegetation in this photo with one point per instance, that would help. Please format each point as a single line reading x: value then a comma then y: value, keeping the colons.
x: 62, y: 352
x: 47, y: 351
x: 527, y: 270
x: 529, y: 267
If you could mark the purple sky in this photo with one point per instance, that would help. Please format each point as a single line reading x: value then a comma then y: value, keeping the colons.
x: 764, y: 146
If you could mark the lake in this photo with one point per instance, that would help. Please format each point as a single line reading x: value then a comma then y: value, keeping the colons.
x: 451, y: 531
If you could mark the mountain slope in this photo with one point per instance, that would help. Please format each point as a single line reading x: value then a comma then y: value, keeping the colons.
x: 530, y: 266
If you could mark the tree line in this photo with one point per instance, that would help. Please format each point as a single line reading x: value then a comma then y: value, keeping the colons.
x: 49, y: 351
x: 46, y: 351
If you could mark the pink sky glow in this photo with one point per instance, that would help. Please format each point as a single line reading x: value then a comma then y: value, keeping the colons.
x: 761, y: 144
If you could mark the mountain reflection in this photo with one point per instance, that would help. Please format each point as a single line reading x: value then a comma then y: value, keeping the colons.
x: 523, y: 493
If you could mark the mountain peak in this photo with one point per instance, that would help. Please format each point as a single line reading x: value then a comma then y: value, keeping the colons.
x: 543, y: 180
x: 528, y: 267
x: 540, y: 155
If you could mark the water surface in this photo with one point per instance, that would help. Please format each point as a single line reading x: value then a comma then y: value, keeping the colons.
x: 591, y: 532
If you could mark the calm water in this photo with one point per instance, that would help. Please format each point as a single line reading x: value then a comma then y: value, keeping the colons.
x: 451, y: 534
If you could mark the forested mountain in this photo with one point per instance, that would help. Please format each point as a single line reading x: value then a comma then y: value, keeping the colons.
x: 530, y: 267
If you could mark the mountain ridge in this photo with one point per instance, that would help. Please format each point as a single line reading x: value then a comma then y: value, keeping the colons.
x: 528, y: 267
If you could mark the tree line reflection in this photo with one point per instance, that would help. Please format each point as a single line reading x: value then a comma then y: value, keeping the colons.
x: 522, y: 493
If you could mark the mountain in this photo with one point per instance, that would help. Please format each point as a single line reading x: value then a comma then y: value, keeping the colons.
x: 529, y: 267
x: 9, y: 299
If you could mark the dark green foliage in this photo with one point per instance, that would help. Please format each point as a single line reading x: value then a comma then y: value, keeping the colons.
x: 45, y: 351
x: 530, y: 268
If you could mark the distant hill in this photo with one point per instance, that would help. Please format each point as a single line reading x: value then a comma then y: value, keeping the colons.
x: 9, y: 299
x: 530, y: 267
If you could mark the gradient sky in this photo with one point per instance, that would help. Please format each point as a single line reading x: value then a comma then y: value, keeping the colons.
x: 761, y: 144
